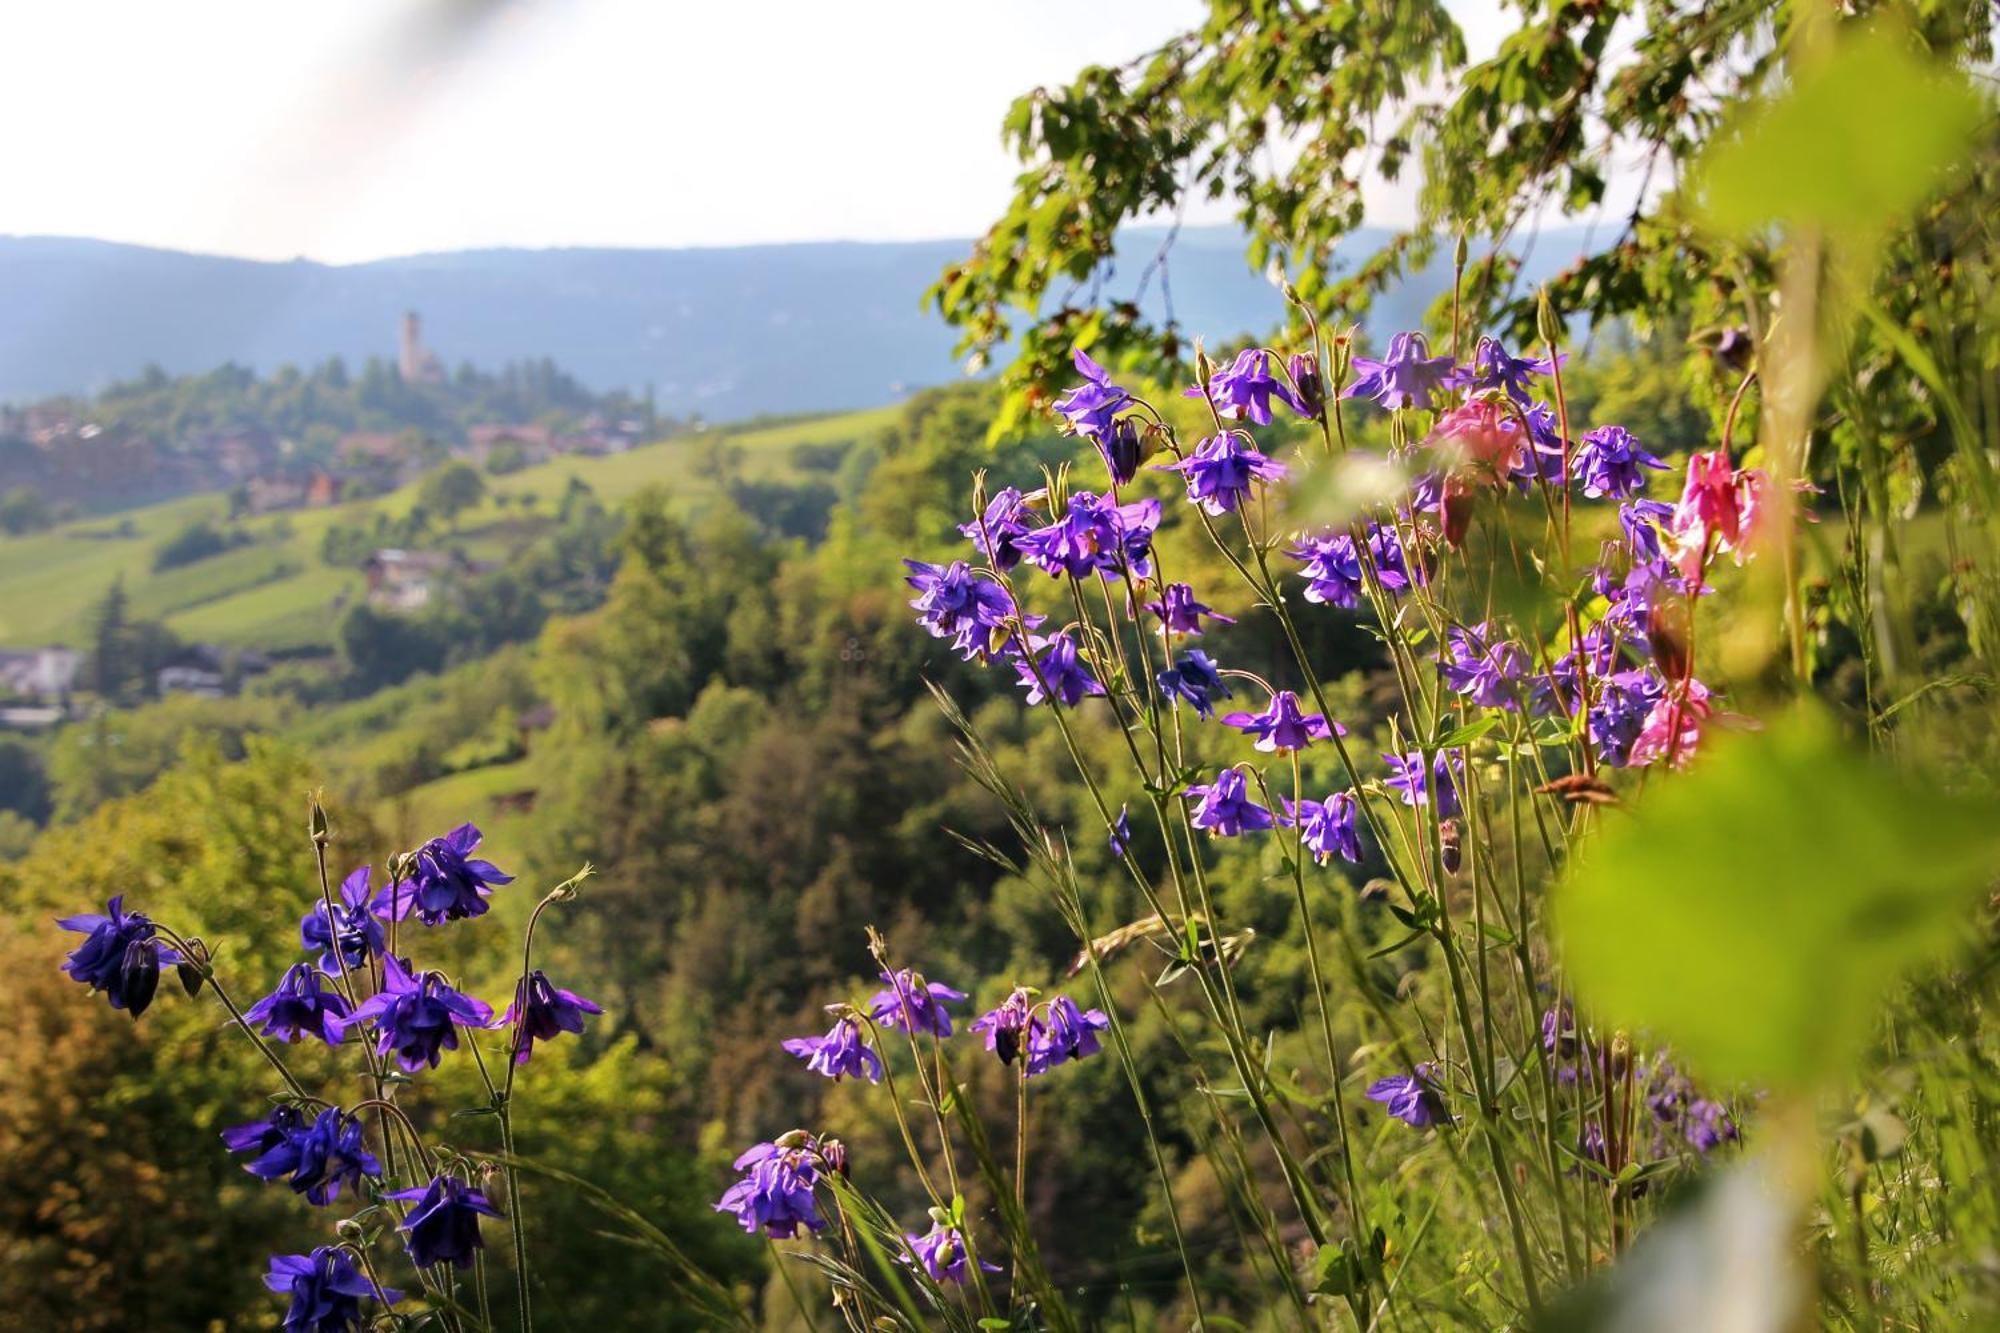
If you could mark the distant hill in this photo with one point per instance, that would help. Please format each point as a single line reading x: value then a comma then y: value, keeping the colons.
x: 728, y: 333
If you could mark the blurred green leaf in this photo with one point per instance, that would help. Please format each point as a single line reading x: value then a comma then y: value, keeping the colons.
x: 1754, y: 910
x: 1854, y: 145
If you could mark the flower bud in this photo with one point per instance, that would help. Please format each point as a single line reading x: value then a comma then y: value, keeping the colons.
x: 1450, y: 846
x: 1545, y: 319
x: 1312, y: 389
x: 139, y: 975
x: 1667, y: 635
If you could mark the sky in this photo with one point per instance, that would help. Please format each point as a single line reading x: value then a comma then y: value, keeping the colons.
x: 357, y: 129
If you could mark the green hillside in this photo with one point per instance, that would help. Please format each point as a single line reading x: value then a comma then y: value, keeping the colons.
x: 277, y: 593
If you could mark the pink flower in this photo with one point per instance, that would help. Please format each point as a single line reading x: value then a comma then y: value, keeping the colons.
x: 1721, y: 509
x: 1484, y: 431
x: 1673, y: 710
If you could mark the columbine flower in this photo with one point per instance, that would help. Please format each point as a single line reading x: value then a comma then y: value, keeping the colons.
x: 1643, y: 523
x: 1483, y: 432
x: 1195, y: 679
x: 1483, y: 668
x: 1412, y: 1098
x: 1004, y: 520
x: 355, y: 927
x: 1327, y: 827
x: 912, y: 1003
x: 1225, y: 809
x: 542, y: 1010
x: 1407, y: 377
x: 1385, y: 547
x: 319, y: 1158
x: 449, y: 883
x: 1492, y: 368
x: 1221, y: 469
x: 1062, y: 670
x: 839, y: 1054
x: 444, y: 1226
x: 1284, y: 725
x: 1063, y: 1032
x: 302, y: 1004
x: 418, y: 1016
x: 941, y: 1252
x: 1719, y: 509
x: 1246, y: 386
x: 1089, y: 407
x: 121, y: 957
x: 1406, y: 779
x: 776, y: 1191
x: 1122, y: 448
x: 953, y: 603
x: 1311, y: 402
x: 1006, y: 1027
x: 1094, y: 533
x: 326, y: 1290
x: 1624, y: 701
x: 1120, y: 837
x: 1180, y: 613
x: 1608, y: 461
x: 1542, y: 459
x: 1332, y: 569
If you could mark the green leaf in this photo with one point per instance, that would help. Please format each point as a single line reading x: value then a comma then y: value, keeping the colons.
x: 1753, y: 910
x: 1854, y: 145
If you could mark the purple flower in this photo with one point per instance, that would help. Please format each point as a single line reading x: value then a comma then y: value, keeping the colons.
x: 120, y: 957
x: 911, y: 1002
x: 1332, y: 569
x: 418, y: 1016
x: 319, y: 1158
x: 1412, y: 1098
x: 542, y: 1010
x: 1492, y: 368
x: 776, y: 1191
x: 1122, y: 448
x: 1004, y: 520
x: 1094, y: 533
x: 1644, y: 522
x: 1180, y: 613
x: 1385, y: 548
x: 1407, y: 377
x: 449, y: 883
x: 839, y: 1054
x: 355, y: 926
x: 1327, y: 827
x: 302, y: 1004
x: 1006, y: 1027
x: 1283, y: 725
x: 1542, y: 460
x: 1246, y: 386
x: 942, y: 1254
x: 444, y: 1226
x: 326, y: 1290
x: 1484, y: 668
x: 1608, y: 461
x: 1708, y: 1125
x: 1062, y: 670
x: 1121, y: 834
x: 1195, y: 679
x: 953, y: 603
x: 1063, y: 1032
x: 1225, y: 809
x: 1406, y: 779
x: 1562, y: 1042
x: 1089, y: 407
x: 1624, y: 699
x: 1311, y: 403
x: 1221, y: 469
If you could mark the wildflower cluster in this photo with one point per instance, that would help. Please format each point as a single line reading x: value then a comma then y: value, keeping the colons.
x: 353, y: 982
x: 1513, y: 718
x: 780, y: 1183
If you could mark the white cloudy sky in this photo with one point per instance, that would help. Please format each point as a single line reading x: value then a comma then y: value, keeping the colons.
x: 353, y: 129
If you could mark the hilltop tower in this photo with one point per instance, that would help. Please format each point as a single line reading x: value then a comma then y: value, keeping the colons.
x: 416, y: 363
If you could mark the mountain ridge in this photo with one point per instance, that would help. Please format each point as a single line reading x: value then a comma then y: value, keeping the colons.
x: 726, y: 331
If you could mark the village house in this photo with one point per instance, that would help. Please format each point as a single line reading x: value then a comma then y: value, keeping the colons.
x: 44, y: 674
x: 401, y: 580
